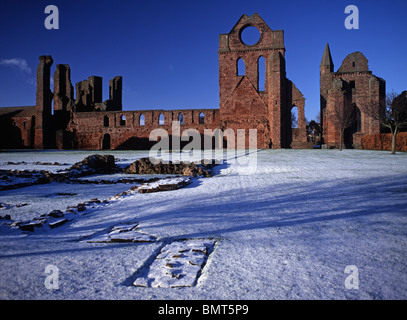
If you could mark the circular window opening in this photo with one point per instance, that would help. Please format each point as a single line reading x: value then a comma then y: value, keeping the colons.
x: 250, y: 35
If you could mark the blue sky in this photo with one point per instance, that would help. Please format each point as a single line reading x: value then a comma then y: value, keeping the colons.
x: 166, y: 51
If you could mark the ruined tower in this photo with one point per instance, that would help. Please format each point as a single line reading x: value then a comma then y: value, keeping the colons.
x: 88, y: 93
x: 115, y: 94
x: 245, y: 103
x: 43, y: 126
x: 63, y: 104
x: 325, y: 69
x: 63, y: 89
x: 352, y: 86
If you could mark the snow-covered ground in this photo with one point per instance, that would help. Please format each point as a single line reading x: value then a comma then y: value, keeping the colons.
x: 286, y: 226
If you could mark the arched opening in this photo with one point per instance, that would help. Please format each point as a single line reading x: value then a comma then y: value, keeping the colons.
x: 106, y: 142
x: 355, y: 127
x: 122, y: 120
x: 201, y: 118
x: 294, y: 117
x: 105, y: 121
x: 240, y: 67
x: 261, y: 68
x: 180, y: 118
x: 161, y: 119
x: 142, y: 120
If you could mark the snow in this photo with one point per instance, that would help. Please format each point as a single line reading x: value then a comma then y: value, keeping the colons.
x: 177, y: 265
x: 286, y: 226
x: 42, y: 199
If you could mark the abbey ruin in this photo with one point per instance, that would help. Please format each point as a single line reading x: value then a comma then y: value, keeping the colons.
x: 76, y: 117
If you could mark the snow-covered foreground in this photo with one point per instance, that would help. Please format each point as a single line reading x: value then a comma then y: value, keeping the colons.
x: 287, y: 227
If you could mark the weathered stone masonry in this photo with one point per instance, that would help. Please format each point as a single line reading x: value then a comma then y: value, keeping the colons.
x: 242, y: 104
x: 131, y: 129
x: 60, y: 120
x: 352, y: 85
x: 87, y: 122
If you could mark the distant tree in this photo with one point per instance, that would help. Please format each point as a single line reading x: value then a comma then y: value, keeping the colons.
x: 294, y: 120
x: 313, y: 129
x: 393, y: 115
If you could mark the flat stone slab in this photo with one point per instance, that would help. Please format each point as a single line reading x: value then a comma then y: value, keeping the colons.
x: 57, y: 223
x: 179, y: 264
x: 123, y: 233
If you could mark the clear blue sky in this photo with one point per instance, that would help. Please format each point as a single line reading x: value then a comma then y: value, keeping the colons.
x: 166, y: 51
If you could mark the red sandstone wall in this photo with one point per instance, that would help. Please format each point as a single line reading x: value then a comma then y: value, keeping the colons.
x: 24, y: 124
x: 382, y: 141
x: 91, y: 128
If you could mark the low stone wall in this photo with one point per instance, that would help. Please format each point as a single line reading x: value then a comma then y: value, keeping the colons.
x: 382, y: 141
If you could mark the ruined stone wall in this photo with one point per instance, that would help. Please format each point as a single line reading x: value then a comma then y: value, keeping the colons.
x: 366, y: 88
x: 382, y: 141
x: 25, y: 125
x: 87, y: 122
x: 88, y: 93
x: 17, y: 127
x: 247, y: 104
x: 124, y: 130
x: 336, y: 100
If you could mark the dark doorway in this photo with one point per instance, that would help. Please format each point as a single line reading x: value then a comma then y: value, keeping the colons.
x: 355, y: 127
x: 106, y: 142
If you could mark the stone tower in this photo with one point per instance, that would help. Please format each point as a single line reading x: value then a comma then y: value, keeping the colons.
x: 115, y: 93
x: 245, y: 103
x: 63, y: 89
x: 325, y: 69
x: 63, y: 103
x: 353, y: 86
x: 43, y: 114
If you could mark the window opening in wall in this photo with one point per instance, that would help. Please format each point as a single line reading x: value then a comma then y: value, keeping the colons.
x: 240, y: 67
x: 181, y: 118
x: 142, y: 120
x: 161, y: 119
x: 105, y: 121
x: 250, y: 35
x: 122, y: 120
x: 201, y: 118
x: 261, y: 68
x: 294, y: 117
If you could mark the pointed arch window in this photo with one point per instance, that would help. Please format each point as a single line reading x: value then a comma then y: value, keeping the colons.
x: 122, y: 120
x: 142, y: 121
x: 105, y: 121
x: 161, y: 119
x: 240, y: 67
x: 261, y: 69
x: 180, y: 118
x: 294, y: 117
x: 201, y: 118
